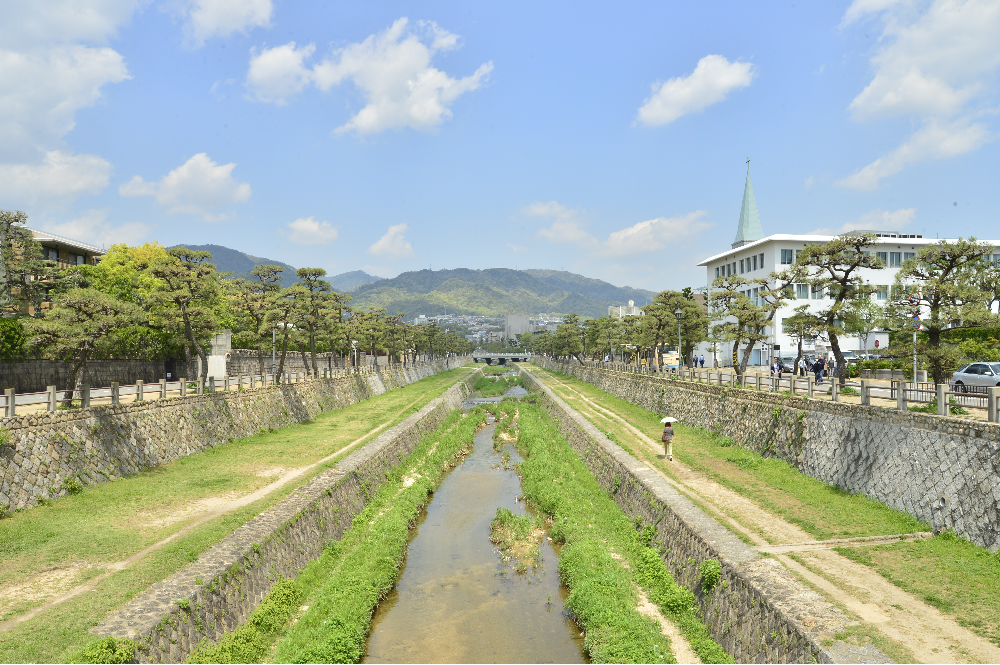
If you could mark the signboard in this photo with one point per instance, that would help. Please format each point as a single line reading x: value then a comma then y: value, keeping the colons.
x: 876, y: 344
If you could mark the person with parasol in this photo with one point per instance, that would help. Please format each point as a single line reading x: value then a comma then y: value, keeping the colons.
x: 668, y: 438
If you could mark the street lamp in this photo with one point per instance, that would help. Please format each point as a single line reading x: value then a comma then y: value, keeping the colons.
x: 680, y: 315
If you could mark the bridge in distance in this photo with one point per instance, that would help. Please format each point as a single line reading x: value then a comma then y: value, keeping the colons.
x: 489, y: 357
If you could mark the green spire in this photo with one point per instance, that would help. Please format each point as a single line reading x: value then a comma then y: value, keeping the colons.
x: 749, y: 229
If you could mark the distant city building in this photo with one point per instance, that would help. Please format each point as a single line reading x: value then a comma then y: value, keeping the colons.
x: 621, y: 311
x: 420, y: 320
x: 515, y: 325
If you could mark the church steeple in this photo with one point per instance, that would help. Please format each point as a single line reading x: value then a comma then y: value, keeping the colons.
x: 749, y: 229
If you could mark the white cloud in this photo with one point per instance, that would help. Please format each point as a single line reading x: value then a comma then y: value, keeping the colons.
x: 874, y: 220
x: 393, y: 245
x: 651, y: 235
x: 278, y: 73
x: 54, y: 61
x: 933, y: 141
x: 196, y: 187
x: 39, y: 22
x: 517, y: 249
x: 712, y: 79
x: 567, y: 224
x: 93, y: 227
x: 936, y: 68
x: 391, y: 69
x: 810, y: 181
x: 862, y: 8
x: 307, y: 231
x: 662, y: 233
x: 60, y: 178
x: 221, y: 18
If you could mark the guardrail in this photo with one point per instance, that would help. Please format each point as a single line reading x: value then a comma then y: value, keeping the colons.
x: 943, y: 396
x: 140, y: 391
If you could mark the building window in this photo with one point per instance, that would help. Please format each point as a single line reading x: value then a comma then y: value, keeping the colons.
x: 741, y: 267
x: 50, y: 254
x: 754, y: 261
x: 883, y: 257
x: 895, y: 259
x: 761, y: 255
x: 717, y: 273
x: 787, y: 257
x: 908, y: 255
x: 818, y: 295
x: 797, y: 254
x: 802, y: 291
x: 882, y: 293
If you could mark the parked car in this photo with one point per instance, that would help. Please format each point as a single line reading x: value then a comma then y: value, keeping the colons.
x: 976, y: 375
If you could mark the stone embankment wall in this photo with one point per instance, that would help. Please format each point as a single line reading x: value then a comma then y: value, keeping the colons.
x: 943, y: 470
x: 38, y: 452
x: 217, y: 593
x: 759, y: 611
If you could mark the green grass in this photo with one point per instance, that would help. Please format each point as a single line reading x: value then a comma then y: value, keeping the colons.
x: 345, y: 584
x: 516, y: 537
x: 591, y: 528
x: 822, y: 510
x: 491, y: 386
x: 955, y: 576
x: 112, y: 521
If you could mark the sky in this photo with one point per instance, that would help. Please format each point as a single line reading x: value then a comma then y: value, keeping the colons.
x: 606, y: 139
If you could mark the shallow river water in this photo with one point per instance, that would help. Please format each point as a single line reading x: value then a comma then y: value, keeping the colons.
x: 455, y: 601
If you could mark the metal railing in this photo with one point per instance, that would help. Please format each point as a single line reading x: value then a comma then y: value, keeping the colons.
x: 944, y: 397
x: 140, y: 391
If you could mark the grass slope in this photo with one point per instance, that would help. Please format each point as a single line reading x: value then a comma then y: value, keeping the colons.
x: 604, y: 555
x: 342, y: 587
x: 80, y: 534
x: 959, y: 578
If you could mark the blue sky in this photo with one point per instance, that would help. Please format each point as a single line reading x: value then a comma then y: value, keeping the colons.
x: 610, y: 140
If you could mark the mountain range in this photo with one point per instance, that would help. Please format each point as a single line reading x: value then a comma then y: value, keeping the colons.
x: 493, y: 291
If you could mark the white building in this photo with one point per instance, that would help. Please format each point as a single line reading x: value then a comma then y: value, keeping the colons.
x: 621, y: 311
x: 752, y: 255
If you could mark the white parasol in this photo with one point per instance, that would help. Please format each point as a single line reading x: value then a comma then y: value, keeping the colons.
x: 668, y: 419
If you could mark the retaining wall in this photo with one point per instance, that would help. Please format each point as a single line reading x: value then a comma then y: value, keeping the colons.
x: 228, y: 581
x: 942, y: 470
x: 38, y: 452
x: 759, y: 611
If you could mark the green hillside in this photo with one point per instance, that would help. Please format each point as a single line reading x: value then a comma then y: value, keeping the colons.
x: 495, y: 291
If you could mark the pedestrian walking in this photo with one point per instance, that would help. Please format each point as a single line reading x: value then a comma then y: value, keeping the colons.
x: 668, y: 441
x: 803, y: 366
x: 777, y: 368
x: 702, y: 361
x: 817, y: 369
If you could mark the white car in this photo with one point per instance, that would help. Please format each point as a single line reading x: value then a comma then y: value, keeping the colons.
x: 976, y: 375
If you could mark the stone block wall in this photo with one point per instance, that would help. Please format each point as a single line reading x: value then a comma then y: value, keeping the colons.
x: 217, y: 593
x: 38, y: 452
x: 942, y: 470
x: 759, y: 611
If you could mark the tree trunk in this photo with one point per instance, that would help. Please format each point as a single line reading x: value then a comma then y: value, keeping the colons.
x: 934, y: 342
x: 260, y: 359
x: 305, y: 359
x: 312, y: 349
x: 835, y: 345
x: 75, y: 380
x: 798, y: 358
x: 284, y: 350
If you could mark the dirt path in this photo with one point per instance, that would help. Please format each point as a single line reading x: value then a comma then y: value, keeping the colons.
x: 932, y: 636
x: 199, y: 512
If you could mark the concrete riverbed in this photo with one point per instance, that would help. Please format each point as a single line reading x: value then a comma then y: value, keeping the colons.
x: 455, y: 601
